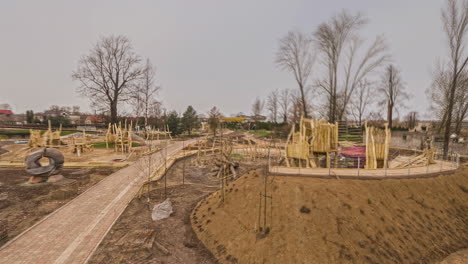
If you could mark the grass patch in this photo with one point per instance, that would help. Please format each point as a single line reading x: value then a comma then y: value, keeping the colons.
x: 111, y: 145
x: 66, y: 133
x: 351, y: 138
x: 261, y: 133
x: 14, y: 132
x: 236, y: 156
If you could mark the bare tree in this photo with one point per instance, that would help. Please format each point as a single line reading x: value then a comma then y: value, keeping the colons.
x: 108, y: 73
x: 257, y: 107
x: 412, y: 119
x: 213, y: 119
x: 331, y: 38
x: 455, y: 22
x: 461, y: 102
x: 361, y: 100
x: 393, y: 90
x: 145, y: 92
x: 373, y: 58
x: 273, y: 105
x: 295, y: 55
x: 284, y: 102
x: 296, y: 110
x: 439, y: 95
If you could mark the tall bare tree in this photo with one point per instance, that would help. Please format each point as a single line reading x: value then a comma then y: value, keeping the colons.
x: 411, y: 119
x: 297, y: 109
x: 361, y: 100
x: 284, y: 102
x: 357, y: 69
x: 461, y: 102
x: 296, y: 55
x: 273, y: 105
x: 455, y: 22
x: 214, y: 119
x: 145, y: 92
x: 331, y: 38
x: 439, y: 95
x: 108, y: 73
x: 257, y: 107
x: 393, y: 90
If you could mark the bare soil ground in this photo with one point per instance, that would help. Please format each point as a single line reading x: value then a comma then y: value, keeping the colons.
x: 22, y: 204
x: 136, y: 238
x: 336, y: 221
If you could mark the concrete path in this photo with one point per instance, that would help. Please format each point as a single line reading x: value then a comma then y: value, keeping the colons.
x: 73, y: 232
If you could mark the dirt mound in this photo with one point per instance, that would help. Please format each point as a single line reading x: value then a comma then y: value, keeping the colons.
x: 336, y: 221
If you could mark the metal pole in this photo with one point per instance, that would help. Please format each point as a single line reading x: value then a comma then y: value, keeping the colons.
x: 385, y: 170
x: 409, y: 166
x: 358, y: 165
x: 427, y: 165
x: 264, y: 209
x: 183, y: 171
x: 165, y: 172
x: 259, y: 210
x: 441, y: 163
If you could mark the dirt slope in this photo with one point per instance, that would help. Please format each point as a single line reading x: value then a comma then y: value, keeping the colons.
x: 337, y: 221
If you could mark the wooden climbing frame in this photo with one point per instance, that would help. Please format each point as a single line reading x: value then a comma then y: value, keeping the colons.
x: 314, y: 138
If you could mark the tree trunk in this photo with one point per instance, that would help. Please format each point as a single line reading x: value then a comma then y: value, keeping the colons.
x: 113, y: 112
x: 304, y: 106
x: 448, y: 122
x: 335, y: 80
x: 390, y: 114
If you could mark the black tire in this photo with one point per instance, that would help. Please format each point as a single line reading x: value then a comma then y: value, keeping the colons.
x: 34, y: 167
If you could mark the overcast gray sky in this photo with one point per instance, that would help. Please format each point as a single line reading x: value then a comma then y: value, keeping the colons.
x: 207, y: 52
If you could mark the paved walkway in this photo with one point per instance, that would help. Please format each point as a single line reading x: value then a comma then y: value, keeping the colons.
x: 73, y: 232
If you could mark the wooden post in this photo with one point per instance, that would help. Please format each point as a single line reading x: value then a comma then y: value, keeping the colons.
x: 386, y: 147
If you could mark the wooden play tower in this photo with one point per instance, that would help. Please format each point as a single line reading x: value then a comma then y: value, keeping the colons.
x: 315, y: 138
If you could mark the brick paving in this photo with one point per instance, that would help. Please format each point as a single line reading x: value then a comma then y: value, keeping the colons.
x: 73, y: 232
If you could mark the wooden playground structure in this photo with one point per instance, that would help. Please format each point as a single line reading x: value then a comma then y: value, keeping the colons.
x: 119, y: 136
x: 47, y: 139
x: 314, y: 138
x: 81, y: 144
x: 377, y: 146
x: 318, y: 139
x: 155, y: 134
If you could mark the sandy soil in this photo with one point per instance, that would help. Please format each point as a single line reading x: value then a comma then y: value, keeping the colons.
x: 22, y: 204
x: 336, y: 221
x: 136, y: 238
x: 459, y: 257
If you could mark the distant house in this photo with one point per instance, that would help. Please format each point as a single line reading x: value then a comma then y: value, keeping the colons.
x: 76, y: 119
x: 91, y: 120
x: 423, y: 126
x: 6, y: 112
x: 6, y: 115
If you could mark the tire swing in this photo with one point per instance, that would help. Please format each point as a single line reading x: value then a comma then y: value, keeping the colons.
x: 39, y: 172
